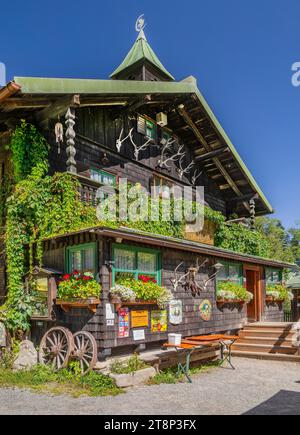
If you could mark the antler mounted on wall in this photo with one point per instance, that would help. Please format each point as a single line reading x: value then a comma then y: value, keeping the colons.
x: 191, y: 285
x: 178, y: 280
x: 164, y: 162
x: 181, y: 170
x: 120, y: 141
x: 137, y: 149
x: 196, y: 176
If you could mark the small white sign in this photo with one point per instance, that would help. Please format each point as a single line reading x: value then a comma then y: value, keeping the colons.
x: 139, y: 335
x: 110, y: 323
x: 110, y: 312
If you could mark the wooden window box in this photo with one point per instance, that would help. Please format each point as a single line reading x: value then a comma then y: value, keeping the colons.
x: 119, y: 303
x: 272, y: 300
x: 90, y: 304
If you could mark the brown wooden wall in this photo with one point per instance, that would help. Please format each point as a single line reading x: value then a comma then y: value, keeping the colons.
x: 224, y: 319
x: 97, y: 132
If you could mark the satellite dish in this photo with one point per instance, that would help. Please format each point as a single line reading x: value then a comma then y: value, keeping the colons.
x: 140, y: 23
x: 2, y: 74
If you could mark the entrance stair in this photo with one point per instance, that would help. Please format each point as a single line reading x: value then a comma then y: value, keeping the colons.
x: 269, y: 341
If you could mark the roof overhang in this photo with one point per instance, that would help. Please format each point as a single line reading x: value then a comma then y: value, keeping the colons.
x: 227, y: 169
x: 177, y: 244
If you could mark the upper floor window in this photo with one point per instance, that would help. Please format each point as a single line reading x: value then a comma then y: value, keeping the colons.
x: 103, y: 177
x: 82, y: 258
x: 231, y: 272
x: 147, y: 127
x: 163, y: 187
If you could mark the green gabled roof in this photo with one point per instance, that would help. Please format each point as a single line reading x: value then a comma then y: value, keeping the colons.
x: 141, y: 51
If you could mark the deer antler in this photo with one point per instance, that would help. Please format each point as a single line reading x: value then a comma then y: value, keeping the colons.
x: 197, y: 174
x: 164, y: 163
x: 186, y: 170
x: 177, y: 280
x: 137, y: 149
x: 120, y: 141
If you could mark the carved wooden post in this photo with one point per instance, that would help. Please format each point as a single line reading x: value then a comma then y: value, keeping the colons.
x: 70, y: 135
x: 252, y: 214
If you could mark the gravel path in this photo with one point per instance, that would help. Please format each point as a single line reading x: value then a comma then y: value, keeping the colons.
x: 256, y: 387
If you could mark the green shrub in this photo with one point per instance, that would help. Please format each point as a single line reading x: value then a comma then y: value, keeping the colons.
x: 132, y: 365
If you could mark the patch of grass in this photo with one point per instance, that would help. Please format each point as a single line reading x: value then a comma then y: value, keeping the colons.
x: 169, y: 376
x: 67, y: 381
x: 132, y: 365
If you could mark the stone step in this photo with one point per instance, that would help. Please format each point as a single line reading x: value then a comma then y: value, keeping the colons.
x: 263, y: 348
x: 271, y: 326
x: 270, y: 341
x: 266, y: 356
x: 268, y: 333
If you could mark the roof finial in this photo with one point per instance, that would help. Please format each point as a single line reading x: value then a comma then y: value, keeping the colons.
x: 140, y: 26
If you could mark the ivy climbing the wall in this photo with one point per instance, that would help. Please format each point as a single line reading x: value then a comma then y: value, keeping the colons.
x: 40, y: 206
x: 28, y: 148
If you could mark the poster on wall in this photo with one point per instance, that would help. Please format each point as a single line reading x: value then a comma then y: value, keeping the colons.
x: 110, y: 313
x: 159, y: 321
x: 140, y: 319
x: 139, y: 335
x: 175, y: 309
x: 205, y: 309
x: 123, y: 322
x: 2, y: 335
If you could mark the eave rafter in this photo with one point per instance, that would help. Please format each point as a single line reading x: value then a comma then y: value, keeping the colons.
x: 189, y: 121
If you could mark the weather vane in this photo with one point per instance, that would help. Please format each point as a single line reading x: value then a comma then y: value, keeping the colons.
x: 140, y: 23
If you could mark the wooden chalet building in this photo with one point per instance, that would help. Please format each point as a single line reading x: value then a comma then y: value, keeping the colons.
x: 141, y: 96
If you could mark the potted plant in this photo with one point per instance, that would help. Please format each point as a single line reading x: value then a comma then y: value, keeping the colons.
x: 232, y: 293
x: 78, y: 290
x: 145, y: 290
x: 278, y: 294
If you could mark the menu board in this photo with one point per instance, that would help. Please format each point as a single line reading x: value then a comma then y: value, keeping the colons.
x: 140, y: 319
x: 123, y: 322
x: 159, y: 321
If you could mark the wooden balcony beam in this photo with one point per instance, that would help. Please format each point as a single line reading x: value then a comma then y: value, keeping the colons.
x: 187, y: 118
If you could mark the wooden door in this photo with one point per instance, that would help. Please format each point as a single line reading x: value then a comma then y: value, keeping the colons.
x: 254, y: 285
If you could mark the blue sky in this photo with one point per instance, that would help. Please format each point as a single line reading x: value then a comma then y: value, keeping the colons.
x: 240, y: 51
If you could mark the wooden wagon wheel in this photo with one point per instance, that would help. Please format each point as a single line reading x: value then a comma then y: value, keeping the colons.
x: 56, y: 348
x: 85, y: 350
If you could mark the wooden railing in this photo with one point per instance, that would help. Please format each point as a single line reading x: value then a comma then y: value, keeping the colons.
x: 288, y: 316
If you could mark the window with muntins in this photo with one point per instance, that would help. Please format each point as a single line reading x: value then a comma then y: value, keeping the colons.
x: 231, y: 272
x: 134, y: 262
x: 81, y: 258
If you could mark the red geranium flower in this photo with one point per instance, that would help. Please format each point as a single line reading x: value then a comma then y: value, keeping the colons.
x: 66, y: 277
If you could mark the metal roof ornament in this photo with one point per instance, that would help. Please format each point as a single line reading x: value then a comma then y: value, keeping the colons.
x: 140, y: 23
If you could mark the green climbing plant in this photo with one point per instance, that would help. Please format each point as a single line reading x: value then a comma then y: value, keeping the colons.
x: 28, y: 148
